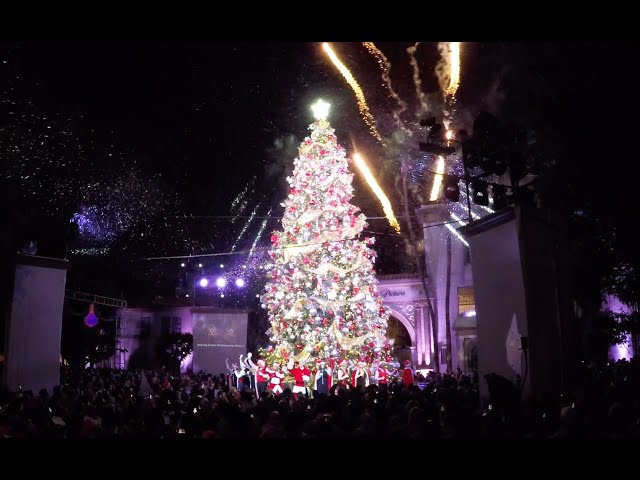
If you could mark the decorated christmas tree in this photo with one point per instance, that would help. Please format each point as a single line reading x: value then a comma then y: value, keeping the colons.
x: 321, y: 294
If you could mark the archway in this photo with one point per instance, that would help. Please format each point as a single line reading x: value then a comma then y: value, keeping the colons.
x: 401, y: 337
x: 470, y: 354
x: 397, y: 332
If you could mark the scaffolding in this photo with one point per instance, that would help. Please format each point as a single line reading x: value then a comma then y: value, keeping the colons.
x: 119, y: 359
x: 96, y: 299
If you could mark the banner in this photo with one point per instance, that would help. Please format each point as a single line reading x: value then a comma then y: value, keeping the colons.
x: 216, y: 337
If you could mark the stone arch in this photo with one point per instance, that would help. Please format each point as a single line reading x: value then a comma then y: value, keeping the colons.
x: 404, y: 321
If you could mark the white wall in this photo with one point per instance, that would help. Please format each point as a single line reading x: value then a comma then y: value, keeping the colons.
x: 499, y: 293
x: 32, y: 357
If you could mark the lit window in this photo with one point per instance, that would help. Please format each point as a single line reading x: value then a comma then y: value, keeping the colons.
x: 466, y: 300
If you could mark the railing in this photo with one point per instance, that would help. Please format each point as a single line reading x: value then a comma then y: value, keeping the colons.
x: 97, y: 299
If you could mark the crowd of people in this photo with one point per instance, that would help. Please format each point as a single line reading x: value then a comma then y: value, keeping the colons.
x: 120, y: 403
x: 342, y: 372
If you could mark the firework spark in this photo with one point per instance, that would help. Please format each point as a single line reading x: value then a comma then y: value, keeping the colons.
x: 437, y: 181
x: 416, y: 76
x: 454, y: 72
x: 246, y: 225
x: 260, y: 231
x: 385, y: 66
x: 448, y: 68
x: 386, y: 205
x: 362, y: 102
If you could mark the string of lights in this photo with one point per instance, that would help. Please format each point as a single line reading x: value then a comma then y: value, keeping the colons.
x: 271, y: 217
x: 242, y: 252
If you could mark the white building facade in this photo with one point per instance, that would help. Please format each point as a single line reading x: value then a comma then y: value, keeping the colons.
x: 449, y: 279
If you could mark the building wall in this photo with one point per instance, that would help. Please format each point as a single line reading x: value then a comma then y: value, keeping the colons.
x: 139, y: 346
x: 405, y: 297
x: 141, y: 329
x: 435, y: 236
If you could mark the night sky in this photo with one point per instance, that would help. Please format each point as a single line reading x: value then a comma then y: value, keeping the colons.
x: 193, y: 124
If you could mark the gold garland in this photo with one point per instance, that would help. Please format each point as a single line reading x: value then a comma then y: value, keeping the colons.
x: 302, y: 356
x: 325, y: 268
x: 347, y: 342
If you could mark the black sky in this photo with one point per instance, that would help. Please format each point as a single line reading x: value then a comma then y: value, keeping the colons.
x: 204, y: 115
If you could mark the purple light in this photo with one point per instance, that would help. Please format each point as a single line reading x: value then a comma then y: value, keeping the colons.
x: 239, y: 282
x: 91, y: 320
x: 221, y: 282
x: 204, y: 282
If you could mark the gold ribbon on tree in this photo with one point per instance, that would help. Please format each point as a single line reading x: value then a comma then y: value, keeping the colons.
x: 347, y: 342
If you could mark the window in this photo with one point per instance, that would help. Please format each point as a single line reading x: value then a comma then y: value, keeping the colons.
x: 145, y: 325
x: 443, y: 354
x: 466, y: 300
x: 176, y: 324
x: 165, y: 325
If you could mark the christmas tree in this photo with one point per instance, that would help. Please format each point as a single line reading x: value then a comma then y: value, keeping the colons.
x: 321, y: 293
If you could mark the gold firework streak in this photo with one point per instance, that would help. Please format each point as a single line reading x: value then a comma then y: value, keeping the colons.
x: 362, y: 102
x: 448, y: 68
x: 416, y: 76
x: 437, y: 181
x: 386, y: 205
x: 385, y: 66
x: 454, y: 68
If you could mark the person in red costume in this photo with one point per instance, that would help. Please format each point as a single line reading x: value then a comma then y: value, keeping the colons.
x: 276, y: 376
x: 300, y: 375
x: 262, y: 377
x: 360, y: 376
x: 381, y: 374
x: 343, y: 374
x: 407, y: 374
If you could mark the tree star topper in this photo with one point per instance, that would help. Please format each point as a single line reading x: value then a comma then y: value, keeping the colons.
x: 320, y: 109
